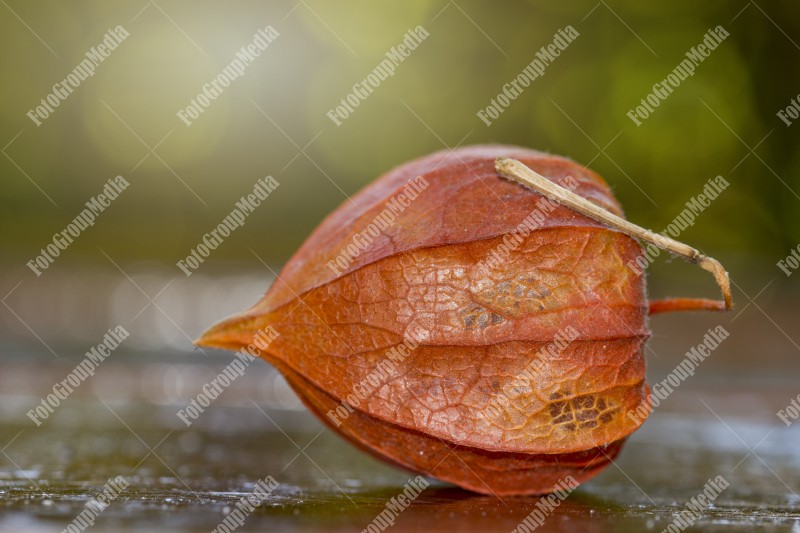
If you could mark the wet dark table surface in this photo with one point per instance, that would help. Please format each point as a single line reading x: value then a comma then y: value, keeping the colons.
x: 122, y: 422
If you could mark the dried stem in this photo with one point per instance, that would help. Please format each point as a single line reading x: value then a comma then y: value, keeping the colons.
x: 516, y: 171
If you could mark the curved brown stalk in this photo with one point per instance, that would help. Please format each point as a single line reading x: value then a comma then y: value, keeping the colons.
x: 516, y: 171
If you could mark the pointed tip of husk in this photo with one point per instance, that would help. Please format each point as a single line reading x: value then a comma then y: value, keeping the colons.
x: 229, y: 334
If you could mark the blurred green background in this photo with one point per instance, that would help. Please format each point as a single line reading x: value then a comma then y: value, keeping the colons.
x: 707, y: 127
